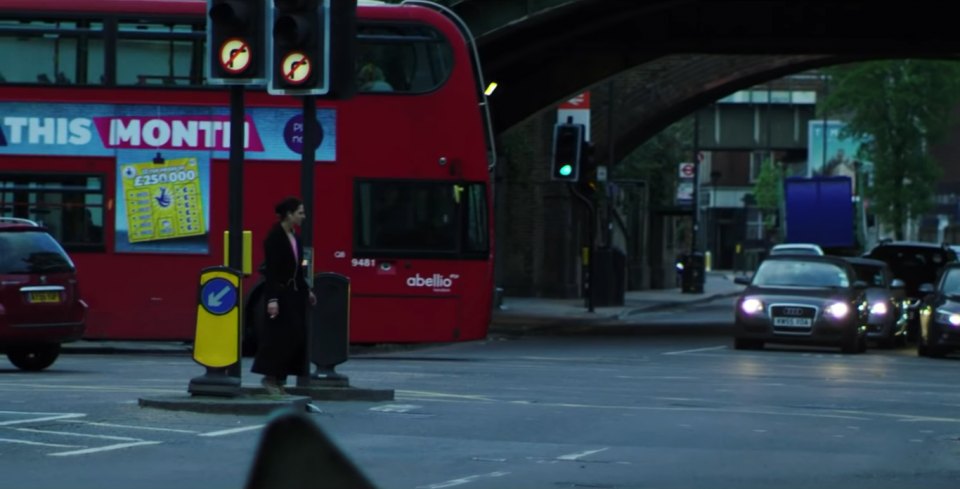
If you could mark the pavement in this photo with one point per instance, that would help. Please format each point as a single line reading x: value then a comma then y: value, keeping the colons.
x: 516, y: 315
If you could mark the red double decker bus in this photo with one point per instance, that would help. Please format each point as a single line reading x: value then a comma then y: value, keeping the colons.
x: 110, y: 137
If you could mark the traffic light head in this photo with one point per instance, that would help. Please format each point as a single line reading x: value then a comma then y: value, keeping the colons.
x: 236, y: 42
x: 567, y: 152
x: 299, y: 51
x: 313, y: 47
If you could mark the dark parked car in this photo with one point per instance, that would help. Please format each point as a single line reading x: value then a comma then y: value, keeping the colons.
x: 813, y: 300
x: 40, y: 305
x: 889, y: 308
x: 940, y: 315
x: 915, y: 263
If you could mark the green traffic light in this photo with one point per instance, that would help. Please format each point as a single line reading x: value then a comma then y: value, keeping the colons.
x: 566, y: 170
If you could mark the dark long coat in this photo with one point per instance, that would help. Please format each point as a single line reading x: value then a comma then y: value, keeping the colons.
x: 283, y: 339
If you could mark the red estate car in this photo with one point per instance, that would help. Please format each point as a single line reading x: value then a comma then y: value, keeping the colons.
x: 40, y: 305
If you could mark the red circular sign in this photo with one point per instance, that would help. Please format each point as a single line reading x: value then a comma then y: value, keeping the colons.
x: 296, y: 68
x: 687, y: 170
x: 234, y: 55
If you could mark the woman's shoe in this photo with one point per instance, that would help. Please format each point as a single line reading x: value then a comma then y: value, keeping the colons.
x: 270, y: 385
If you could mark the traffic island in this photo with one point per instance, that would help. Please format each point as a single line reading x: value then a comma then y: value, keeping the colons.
x: 251, y: 401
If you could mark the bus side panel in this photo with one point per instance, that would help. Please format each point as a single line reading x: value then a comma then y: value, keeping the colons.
x: 422, y: 319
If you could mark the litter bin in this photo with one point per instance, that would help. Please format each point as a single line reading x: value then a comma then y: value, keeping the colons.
x: 610, y: 280
x: 692, y: 276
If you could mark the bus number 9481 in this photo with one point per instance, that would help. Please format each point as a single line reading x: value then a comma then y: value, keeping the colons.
x: 363, y: 262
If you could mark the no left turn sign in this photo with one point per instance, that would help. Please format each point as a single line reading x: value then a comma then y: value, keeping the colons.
x: 235, y: 55
x: 296, y: 68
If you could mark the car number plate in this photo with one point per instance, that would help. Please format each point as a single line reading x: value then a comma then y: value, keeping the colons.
x: 43, y: 297
x: 792, y: 322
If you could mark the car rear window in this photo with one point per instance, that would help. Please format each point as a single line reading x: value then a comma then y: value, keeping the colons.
x: 32, y: 252
x: 912, y: 257
x: 794, y: 251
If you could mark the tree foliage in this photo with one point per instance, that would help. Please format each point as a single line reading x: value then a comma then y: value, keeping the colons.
x: 768, y: 191
x: 900, y: 107
x: 656, y: 161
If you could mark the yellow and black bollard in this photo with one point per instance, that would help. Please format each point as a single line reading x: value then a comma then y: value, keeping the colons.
x: 216, y: 343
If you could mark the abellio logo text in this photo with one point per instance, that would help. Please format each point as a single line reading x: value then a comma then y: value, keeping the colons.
x: 437, y: 281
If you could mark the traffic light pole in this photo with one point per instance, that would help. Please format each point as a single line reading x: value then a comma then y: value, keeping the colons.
x: 592, y: 248
x: 237, y: 110
x: 696, y: 182
x: 308, y: 160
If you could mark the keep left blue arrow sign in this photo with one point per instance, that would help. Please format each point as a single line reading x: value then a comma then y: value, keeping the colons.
x: 218, y: 296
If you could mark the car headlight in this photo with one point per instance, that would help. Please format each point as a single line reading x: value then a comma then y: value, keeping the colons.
x: 878, y: 308
x: 948, y: 317
x: 838, y: 310
x: 751, y: 306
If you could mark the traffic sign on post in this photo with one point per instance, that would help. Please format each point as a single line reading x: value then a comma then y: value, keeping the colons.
x: 236, y: 42
x: 313, y: 47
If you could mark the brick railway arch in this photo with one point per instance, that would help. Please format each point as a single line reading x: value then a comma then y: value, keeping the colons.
x: 677, y: 55
x: 664, y: 59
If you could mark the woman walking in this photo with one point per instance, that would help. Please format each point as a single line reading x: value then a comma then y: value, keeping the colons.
x: 283, y: 340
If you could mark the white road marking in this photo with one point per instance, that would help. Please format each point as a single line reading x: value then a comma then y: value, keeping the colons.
x: 656, y: 377
x: 847, y: 414
x: 36, y: 443
x: 442, y: 395
x: 576, y: 456
x: 395, y: 408
x: 95, y: 388
x: 233, y: 430
x: 695, y: 350
x: 84, y: 435
x: 107, y: 448
x: 124, y: 426
x: 51, y: 417
x: 463, y: 480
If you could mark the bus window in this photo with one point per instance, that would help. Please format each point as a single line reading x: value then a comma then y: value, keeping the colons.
x: 475, y: 229
x: 69, y: 206
x: 417, y: 218
x: 401, y: 58
x: 159, y: 54
x: 60, y: 52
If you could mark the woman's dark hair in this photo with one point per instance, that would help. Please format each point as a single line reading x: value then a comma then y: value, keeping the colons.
x: 286, y: 206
